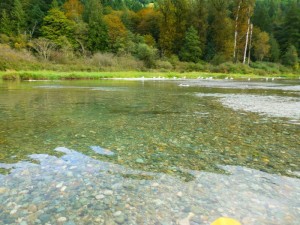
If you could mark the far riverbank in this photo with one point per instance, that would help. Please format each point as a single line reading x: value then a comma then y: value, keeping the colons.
x: 80, y: 75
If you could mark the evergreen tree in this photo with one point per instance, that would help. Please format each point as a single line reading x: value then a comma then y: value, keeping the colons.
x: 5, y: 24
x: 289, y: 33
x: 18, y: 16
x: 261, y: 17
x: 198, y: 19
x: 6, y: 5
x: 54, y: 4
x: 274, y: 50
x: 56, y: 26
x: 290, y: 58
x: 191, y: 51
x: 97, y: 29
x: 35, y: 20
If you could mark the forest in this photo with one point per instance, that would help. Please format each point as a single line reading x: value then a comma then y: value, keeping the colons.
x: 188, y: 35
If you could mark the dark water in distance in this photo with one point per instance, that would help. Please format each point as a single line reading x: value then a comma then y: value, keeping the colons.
x: 151, y: 128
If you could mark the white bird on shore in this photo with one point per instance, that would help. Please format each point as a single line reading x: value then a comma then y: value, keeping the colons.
x: 273, y: 79
x: 249, y: 79
x: 267, y: 78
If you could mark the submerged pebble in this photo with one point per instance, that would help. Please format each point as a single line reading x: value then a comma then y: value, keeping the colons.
x: 61, y: 219
x: 2, y: 190
x: 108, y: 192
x: 101, y: 151
x: 139, y: 160
x: 98, y: 197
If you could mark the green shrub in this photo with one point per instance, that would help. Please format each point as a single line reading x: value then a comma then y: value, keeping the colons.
x: 147, y: 54
x: 11, y: 76
x: 164, y: 65
x: 290, y: 58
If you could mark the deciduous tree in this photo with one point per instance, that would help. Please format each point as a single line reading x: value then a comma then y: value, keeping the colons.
x: 222, y: 29
x: 43, y: 47
x: 116, y: 32
x: 261, y: 44
x: 73, y: 10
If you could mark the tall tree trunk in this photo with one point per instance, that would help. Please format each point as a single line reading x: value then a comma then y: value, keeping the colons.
x: 250, y: 43
x: 236, y: 31
x: 247, y: 38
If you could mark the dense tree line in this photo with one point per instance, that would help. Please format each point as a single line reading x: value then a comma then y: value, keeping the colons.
x: 216, y: 31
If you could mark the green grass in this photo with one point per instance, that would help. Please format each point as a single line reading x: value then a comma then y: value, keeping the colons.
x: 54, y: 75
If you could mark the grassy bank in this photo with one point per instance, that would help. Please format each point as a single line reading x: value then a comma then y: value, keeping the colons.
x: 56, y: 75
x: 23, y: 65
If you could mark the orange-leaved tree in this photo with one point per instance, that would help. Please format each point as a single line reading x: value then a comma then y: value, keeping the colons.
x: 73, y: 9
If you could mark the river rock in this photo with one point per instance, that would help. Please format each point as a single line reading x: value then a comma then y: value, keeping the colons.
x: 32, y: 208
x: 118, y: 213
x: 12, y: 212
x: 155, y: 185
x: 108, y: 192
x: 63, y: 188
x: 45, y: 218
x: 59, y: 185
x: 120, y: 219
x: 2, y: 190
x: 179, y: 194
x: 139, y: 160
x: 98, y: 197
x: 61, y: 219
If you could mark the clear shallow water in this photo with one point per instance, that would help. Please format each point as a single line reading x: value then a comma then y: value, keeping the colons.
x: 145, y: 153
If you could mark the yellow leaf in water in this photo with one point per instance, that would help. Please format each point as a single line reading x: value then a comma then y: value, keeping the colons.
x: 225, y: 221
x: 266, y: 160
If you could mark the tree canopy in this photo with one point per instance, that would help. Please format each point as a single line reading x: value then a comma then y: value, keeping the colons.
x: 193, y: 30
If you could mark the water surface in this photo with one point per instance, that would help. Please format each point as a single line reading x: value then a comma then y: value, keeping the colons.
x: 149, y: 152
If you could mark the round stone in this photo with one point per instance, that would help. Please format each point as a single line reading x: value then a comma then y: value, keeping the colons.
x: 32, y: 208
x: 155, y: 185
x: 98, y: 197
x: 2, y: 190
x: 179, y: 194
x: 61, y: 219
x: 118, y: 213
x: 108, y: 192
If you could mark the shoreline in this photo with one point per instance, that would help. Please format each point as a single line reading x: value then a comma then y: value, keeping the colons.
x: 134, y: 75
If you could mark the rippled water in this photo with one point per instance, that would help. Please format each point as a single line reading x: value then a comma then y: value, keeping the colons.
x: 149, y: 152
